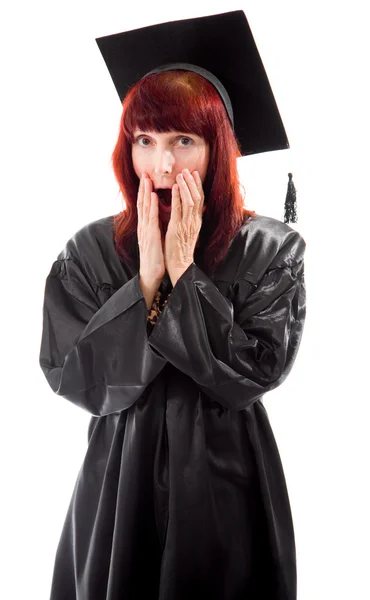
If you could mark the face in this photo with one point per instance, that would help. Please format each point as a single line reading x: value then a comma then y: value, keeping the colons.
x: 164, y: 155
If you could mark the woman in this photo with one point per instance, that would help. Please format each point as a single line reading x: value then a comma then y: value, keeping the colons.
x: 168, y: 323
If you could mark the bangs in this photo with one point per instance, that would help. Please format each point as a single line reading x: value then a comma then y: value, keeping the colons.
x: 171, y: 101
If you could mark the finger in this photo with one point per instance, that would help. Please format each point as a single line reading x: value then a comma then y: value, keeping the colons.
x: 193, y: 187
x: 153, y: 211
x: 146, y: 204
x: 140, y: 197
x: 176, y: 209
x: 198, y: 183
x: 187, y: 202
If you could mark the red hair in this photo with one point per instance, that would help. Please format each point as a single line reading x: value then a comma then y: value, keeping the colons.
x: 182, y: 101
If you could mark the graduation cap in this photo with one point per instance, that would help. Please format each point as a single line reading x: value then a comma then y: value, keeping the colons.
x: 221, y: 48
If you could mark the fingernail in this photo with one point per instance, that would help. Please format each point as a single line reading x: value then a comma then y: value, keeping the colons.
x: 186, y: 171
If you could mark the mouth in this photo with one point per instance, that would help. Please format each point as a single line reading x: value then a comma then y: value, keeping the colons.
x: 165, y: 200
x: 165, y: 197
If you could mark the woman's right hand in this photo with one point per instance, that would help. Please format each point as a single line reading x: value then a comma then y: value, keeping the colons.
x: 152, y: 267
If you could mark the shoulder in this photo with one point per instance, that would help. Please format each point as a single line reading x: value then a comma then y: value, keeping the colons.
x: 86, y: 239
x: 92, y: 249
x: 267, y: 243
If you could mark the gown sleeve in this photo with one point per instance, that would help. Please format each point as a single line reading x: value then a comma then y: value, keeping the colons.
x: 237, y: 350
x: 95, y: 355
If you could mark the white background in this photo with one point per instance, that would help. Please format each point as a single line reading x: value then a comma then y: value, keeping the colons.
x: 59, y: 122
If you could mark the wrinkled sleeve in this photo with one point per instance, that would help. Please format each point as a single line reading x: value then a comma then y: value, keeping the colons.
x: 95, y: 355
x: 237, y: 350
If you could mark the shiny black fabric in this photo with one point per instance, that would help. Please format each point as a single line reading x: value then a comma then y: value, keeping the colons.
x: 181, y: 494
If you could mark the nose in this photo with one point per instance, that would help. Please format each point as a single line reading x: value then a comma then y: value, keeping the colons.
x: 163, y: 162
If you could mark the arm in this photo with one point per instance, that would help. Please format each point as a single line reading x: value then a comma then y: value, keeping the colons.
x: 98, y: 357
x: 149, y: 290
x: 236, y: 351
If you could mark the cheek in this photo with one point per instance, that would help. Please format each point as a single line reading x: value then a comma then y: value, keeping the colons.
x: 197, y: 162
x: 134, y: 161
x: 138, y: 163
x: 203, y: 169
x: 203, y: 160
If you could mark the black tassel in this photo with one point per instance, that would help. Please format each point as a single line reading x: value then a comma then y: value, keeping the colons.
x: 290, y: 214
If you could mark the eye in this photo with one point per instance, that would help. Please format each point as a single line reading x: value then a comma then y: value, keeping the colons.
x: 145, y: 142
x: 142, y: 138
x: 187, y: 139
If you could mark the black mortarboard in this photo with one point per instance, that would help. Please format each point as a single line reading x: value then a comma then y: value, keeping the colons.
x: 219, y: 47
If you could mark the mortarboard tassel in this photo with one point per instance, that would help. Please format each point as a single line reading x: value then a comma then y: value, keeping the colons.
x: 290, y: 214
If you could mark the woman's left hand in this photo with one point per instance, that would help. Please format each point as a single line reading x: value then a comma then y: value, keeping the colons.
x: 185, y: 223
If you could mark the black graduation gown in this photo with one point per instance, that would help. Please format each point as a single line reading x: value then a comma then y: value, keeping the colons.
x: 181, y: 494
